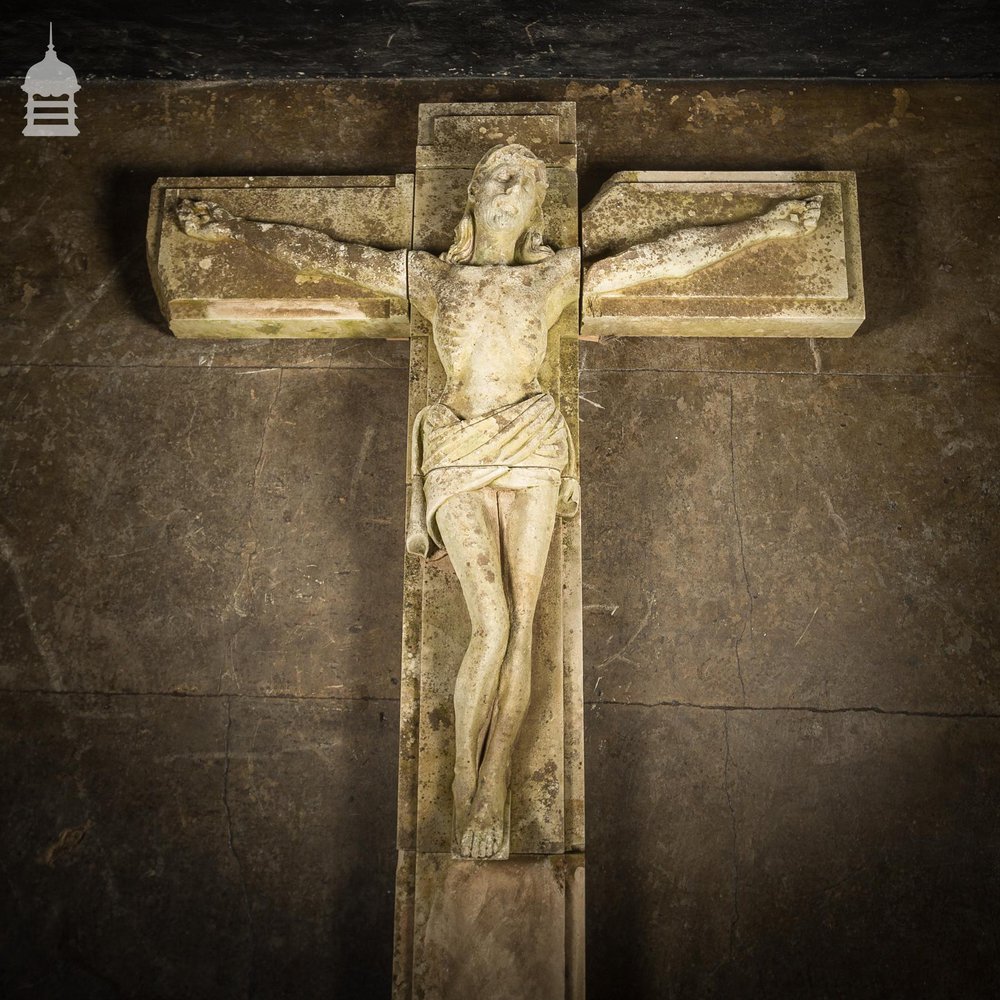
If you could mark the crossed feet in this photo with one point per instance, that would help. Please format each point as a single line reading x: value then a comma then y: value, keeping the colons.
x: 479, y: 817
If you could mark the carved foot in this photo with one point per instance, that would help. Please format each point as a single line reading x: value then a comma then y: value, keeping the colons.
x: 483, y: 835
x: 206, y: 221
x: 795, y: 217
x: 463, y: 788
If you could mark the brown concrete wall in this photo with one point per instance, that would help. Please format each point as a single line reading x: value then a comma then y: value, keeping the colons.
x: 790, y: 568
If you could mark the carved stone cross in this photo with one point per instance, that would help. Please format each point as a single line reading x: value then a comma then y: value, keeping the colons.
x: 489, y: 895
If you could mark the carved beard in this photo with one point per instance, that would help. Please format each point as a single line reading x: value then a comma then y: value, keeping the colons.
x: 502, y: 212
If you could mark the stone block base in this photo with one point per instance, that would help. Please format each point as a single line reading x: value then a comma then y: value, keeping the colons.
x: 494, y: 931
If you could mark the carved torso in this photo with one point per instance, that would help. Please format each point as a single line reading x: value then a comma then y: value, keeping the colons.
x: 490, y: 323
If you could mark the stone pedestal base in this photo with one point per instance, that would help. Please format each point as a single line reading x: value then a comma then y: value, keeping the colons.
x: 508, y: 931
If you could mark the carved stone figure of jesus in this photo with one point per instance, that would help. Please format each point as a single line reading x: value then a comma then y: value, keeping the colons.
x: 493, y: 462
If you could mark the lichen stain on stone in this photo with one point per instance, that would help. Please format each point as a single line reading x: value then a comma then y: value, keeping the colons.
x: 576, y: 91
x: 628, y: 96
x: 707, y: 110
x: 547, y: 780
x: 900, y: 109
x: 439, y: 718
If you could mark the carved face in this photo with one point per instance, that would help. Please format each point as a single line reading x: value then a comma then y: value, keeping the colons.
x: 506, y: 196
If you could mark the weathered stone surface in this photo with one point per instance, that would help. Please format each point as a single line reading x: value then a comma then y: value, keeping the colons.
x: 237, y: 539
x: 925, y: 234
x: 77, y: 293
x: 842, y: 40
x: 808, y: 286
x: 659, y: 913
x: 80, y: 292
x: 537, y: 823
x: 449, y: 136
x: 801, y: 541
x: 151, y: 843
x: 512, y: 931
x: 311, y: 798
x: 507, y: 958
x: 442, y: 180
x: 791, y: 853
x: 537, y: 818
x: 215, y: 291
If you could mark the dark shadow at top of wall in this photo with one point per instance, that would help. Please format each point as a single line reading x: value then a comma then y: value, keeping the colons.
x: 650, y: 39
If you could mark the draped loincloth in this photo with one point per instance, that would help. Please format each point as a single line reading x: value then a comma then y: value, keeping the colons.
x: 451, y: 456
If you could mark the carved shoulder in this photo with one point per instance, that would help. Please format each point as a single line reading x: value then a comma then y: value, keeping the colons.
x: 565, y: 262
x: 564, y: 269
x: 424, y: 272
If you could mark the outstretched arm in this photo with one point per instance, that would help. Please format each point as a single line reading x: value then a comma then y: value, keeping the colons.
x: 689, y: 250
x: 305, y: 250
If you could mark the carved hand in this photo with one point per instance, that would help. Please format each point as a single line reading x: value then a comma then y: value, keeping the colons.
x: 206, y: 221
x: 569, y: 497
x: 792, y: 218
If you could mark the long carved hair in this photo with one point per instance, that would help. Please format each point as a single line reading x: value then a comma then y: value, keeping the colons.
x: 529, y: 248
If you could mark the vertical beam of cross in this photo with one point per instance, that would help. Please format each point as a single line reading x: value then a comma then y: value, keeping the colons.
x: 499, y: 928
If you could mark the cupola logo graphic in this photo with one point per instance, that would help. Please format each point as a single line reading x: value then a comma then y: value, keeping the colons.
x: 50, y: 86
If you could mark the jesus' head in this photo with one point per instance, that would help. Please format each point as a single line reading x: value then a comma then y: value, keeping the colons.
x: 505, y: 196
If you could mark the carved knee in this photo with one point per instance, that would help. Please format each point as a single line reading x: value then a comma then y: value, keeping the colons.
x: 490, y: 639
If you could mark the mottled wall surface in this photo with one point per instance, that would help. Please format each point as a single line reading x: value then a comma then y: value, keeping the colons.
x: 792, y: 669
x: 189, y: 39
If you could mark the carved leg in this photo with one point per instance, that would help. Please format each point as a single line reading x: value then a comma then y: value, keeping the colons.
x: 470, y: 531
x: 526, y: 520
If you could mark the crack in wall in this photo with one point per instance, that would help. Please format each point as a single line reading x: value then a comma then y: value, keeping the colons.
x: 245, y: 590
x: 619, y: 654
x: 384, y: 366
x: 195, y: 695
x: 221, y: 369
x: 811, y: 709
x: 592, y: 702
x: 782, y: 372
x: 77, y: 312
x: 748, y: 618
x: 250, y: 550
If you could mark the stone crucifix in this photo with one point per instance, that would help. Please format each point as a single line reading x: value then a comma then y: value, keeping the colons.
x: 492, y: 468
